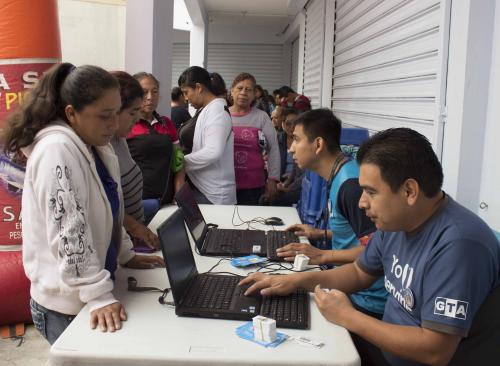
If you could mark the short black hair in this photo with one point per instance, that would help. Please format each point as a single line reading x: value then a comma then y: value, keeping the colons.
x: 284, y: 91
x: 176, y: 93
x: 289, y: 110
x: 321, y: 123
x: 401, y: 154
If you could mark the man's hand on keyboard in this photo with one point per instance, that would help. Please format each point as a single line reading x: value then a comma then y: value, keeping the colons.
x: 306, y: 230
x: 316, y: 256
x: 269, y: 285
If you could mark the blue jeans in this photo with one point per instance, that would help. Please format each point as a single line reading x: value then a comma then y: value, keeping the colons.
x: 49, y: 323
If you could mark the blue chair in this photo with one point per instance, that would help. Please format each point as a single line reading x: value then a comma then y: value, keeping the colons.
x: 313, y: 197
x: 353, y: 136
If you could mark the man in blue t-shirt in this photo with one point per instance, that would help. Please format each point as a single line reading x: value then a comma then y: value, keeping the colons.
x: 440, y: 261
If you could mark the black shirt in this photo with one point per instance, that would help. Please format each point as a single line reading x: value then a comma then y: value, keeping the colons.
x: 179, y: 115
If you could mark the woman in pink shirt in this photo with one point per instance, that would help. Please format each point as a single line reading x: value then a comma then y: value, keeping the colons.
x: 254, y: 137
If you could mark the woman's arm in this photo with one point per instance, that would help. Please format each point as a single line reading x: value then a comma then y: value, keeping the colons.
x: 216, y: 134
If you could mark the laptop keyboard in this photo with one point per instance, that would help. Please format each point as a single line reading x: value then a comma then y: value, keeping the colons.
x: 216, y: 292
x: 225, y: 240
x: 277, y: 239
x: 212, y: 292
x: 288, y: 311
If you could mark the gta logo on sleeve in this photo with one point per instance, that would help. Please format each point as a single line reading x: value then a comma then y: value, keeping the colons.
x: 451, y: 308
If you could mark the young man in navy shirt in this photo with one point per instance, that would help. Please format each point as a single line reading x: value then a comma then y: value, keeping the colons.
x: 441, y: 263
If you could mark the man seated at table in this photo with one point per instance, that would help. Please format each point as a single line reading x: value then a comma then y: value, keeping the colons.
x: 441, y: 263
x: 316, y: 146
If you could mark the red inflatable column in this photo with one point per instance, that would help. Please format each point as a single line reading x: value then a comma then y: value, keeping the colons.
x: 29, y: 45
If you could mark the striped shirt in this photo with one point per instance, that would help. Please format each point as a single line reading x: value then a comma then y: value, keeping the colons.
x: 131, y: 180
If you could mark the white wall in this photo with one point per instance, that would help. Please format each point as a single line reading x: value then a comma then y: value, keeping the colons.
x: 92, y: 33
x: 490, y: 178
x: 231, y: 33
x: 472, y: 24
x: 296, y: 29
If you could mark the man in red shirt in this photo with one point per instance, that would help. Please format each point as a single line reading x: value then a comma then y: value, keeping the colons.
x: 289, y: 98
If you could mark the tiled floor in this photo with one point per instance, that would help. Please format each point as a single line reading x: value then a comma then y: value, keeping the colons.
x: 33, y: 350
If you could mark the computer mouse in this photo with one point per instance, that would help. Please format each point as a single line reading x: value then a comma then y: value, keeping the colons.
x: 275, y: 221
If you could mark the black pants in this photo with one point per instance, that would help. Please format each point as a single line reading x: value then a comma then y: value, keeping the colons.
x: 370, y: 354
x: 249, y: 197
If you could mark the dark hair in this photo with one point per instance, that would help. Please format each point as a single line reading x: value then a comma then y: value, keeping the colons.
x: 289, y: 110
x: 63, y: 85
x: 261, y: 90
x: 176, y: 93
x: 321, y: 123
x: 401, y: 154
x: 217, y: 84
x: 142, y: 75
x: 244, y: 76
x: 193, y: 75
x: 130, y: 89
x: 276, y: 92
x: 284, y: 91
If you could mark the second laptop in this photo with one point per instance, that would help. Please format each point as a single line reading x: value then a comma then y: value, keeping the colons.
x: 212, y: 241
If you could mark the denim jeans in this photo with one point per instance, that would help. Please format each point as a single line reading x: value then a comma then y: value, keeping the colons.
x: 49, y: 323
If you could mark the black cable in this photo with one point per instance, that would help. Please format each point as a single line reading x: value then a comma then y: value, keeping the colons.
x: 268, y: 268
x: 219, y: 262
x: 162, y: 301
x: 226, y: 273
x: 256, y: 220
x: 132, y: 286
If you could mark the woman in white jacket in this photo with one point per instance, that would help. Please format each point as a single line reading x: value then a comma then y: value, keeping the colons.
x: 210, y: 165
x: 72, y: 212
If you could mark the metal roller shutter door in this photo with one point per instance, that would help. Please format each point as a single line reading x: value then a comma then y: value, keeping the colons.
x: 263, y: 61
x: 180, y: 60
x: 313, y: 51
x: 390, y: 63
x: 294, y: 65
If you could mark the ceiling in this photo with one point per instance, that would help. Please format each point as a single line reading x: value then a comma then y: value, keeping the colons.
x: 277, y: 13
x: 254, y: 7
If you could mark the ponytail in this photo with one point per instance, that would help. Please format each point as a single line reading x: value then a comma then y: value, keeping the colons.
x: 62, y: 85
x: 217, y: 84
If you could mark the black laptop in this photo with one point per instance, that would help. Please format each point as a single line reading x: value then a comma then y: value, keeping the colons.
x: 212, y: 241
x: 219, y: 296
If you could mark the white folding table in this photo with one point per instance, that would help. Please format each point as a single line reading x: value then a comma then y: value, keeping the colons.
x: 154, y: 335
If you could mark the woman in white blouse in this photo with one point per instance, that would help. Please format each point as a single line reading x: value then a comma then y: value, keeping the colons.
x: 210, y: 165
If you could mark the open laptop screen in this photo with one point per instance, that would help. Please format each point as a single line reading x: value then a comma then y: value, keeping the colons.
x: 192, y: 214
x: 177, y: 253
